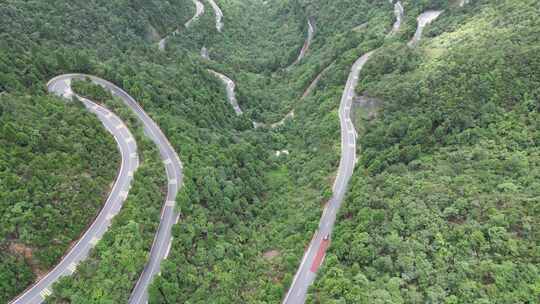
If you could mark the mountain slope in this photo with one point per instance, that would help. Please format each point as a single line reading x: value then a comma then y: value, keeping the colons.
x: 443, y: 204
x: 66, y: 160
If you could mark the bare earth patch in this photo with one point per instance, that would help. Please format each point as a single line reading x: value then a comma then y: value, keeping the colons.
x: 27, y: 253
x: 271, y: 254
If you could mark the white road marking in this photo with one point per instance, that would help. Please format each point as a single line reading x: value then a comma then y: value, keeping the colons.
x: 167, y: 161
x: 94, y: 241
x: 45, y: 293
x: 173, y: 181
x: 169, y: 204
x: 72, y: 267
x: 123, y: 194
x: 133, y: 155
x: 168, y: 248
x: 116, y: 123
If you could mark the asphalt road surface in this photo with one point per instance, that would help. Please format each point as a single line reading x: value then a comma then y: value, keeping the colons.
x: 162, y: 241
x: 423, y: 20
x: 231, y: 97
x: 61, y: 86
x: 219, y: 15
x: 314, y: 255
x: 399, y: 13
x: 229, y: 86
x: 169, y: 216
x: 306, y: 93
x: 199, y: 11
x: 307, y: 43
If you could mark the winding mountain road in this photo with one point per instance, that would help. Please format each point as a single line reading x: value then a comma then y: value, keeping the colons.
x: 162, y: 240
x: 231, y: 97
x: 169, y: 216
x: 61, y: 86
x: 307, y: 43
x: 314, y: 255
x: 230, y: 84
x: 316, y: 251
x: 306, y: 93
x: 219, y: 15
x: 399, y: 12
x: 423, y: 20
x: 229, y: 87
x: 199, y: 10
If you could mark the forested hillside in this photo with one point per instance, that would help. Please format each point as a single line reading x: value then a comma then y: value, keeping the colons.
x: 231, y: 257
x: 56, y: 164
x: 57, y: 160
x: 189, y: 104
x: 443, y: 207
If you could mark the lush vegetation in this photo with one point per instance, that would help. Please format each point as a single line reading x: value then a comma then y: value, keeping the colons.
x: 190, y: 106
x: 258, y: 232
x: 444, y: 194
x: 444, y: 204
x: 56, y: 160
x: 56, y: 164
x: 126, y: 244
x: 274, y: 33
x: 250, y: 254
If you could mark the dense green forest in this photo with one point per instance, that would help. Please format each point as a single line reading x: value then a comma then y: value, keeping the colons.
x: 57, y: 160
x: 444, y: 203
x: 56, y: 164
x: 126, y: 245
x: 220, y: 153
x: 257, y: 37
x: 443, y: 207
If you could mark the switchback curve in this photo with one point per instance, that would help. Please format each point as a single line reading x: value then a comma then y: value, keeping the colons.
x: 423, y: 20
x: 314, y: 255
x: 61, y: 86
x: 199, y: 10
x: 162, y: 240
x: 219, y: 15
x: 399, y: 12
